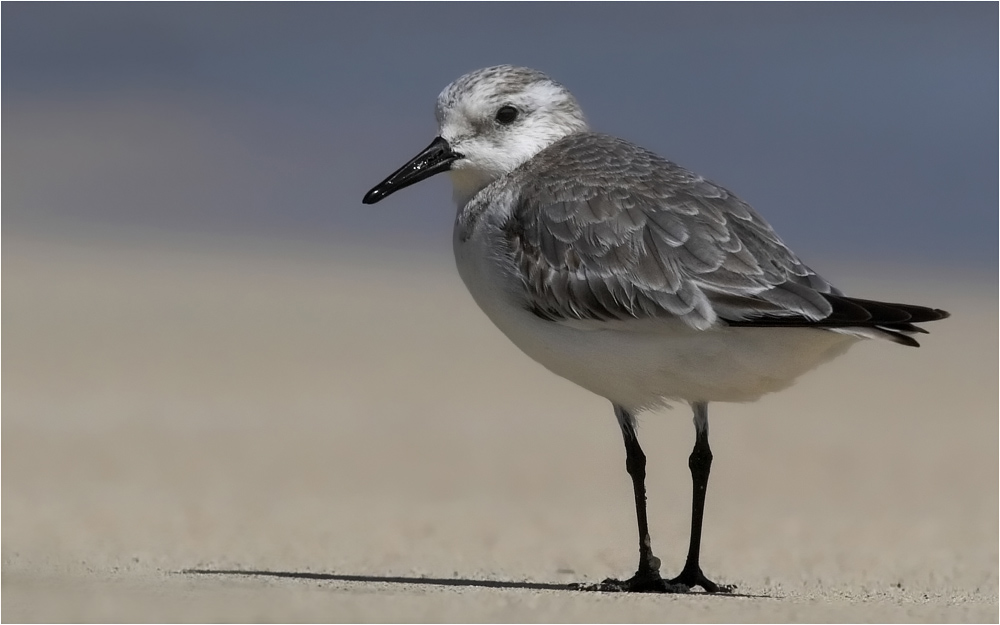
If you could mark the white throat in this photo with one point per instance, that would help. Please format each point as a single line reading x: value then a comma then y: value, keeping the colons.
x: 467, y: 182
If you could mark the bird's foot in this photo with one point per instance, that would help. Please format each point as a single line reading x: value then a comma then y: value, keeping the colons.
x: 647, y: 581
x: 692, y: 576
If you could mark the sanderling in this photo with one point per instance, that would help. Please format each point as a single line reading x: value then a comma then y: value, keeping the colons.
x: 632, y: 277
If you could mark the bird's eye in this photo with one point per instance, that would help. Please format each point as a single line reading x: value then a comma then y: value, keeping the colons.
x: 506, y: 114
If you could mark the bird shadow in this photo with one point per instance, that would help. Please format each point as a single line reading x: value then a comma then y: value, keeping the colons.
x: 426, y: 581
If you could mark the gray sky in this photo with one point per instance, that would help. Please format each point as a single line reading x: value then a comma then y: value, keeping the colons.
x: 858, y: 130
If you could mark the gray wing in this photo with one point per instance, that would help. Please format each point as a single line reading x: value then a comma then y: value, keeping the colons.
x: 602, y: 229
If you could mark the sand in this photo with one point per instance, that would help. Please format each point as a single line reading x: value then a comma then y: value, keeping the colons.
x: 345, y: 426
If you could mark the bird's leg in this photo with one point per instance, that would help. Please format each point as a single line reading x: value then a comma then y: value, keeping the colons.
x: 647, y: 576
x: 635, y: 463
x: 700, y: 462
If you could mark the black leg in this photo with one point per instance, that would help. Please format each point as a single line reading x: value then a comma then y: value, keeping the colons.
x: 700, y: 463
x: 647, y: 576
x: 635, y: 464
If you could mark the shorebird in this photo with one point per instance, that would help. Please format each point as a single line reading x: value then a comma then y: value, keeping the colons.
x: 629, y: 275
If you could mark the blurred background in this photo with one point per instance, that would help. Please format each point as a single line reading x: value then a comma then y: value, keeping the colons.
x: 858, y: 130
x: 216, y: 356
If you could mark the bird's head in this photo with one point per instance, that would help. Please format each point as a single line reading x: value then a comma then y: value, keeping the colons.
x: 490, y: 121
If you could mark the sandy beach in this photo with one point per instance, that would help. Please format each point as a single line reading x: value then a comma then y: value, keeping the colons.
x: 240, y: 430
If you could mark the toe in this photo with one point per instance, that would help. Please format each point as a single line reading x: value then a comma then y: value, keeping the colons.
x: 692, y: 576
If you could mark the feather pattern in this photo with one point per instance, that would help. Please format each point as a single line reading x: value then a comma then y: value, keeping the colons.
x: 602, y: 229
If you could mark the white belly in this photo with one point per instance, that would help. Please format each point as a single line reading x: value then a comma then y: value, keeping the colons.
x: 645, y: 363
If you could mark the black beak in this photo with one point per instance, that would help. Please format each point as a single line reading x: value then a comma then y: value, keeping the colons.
x: 436, y: 158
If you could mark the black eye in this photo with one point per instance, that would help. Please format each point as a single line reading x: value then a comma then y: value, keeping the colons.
x: 506, y: 114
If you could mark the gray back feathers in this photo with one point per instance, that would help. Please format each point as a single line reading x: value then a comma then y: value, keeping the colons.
x: 603, y: 229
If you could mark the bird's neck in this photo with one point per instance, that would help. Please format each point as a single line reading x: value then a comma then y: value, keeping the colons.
x: 466, y: 183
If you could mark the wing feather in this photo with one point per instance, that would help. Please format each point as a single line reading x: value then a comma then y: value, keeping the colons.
x: 603, y: 229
